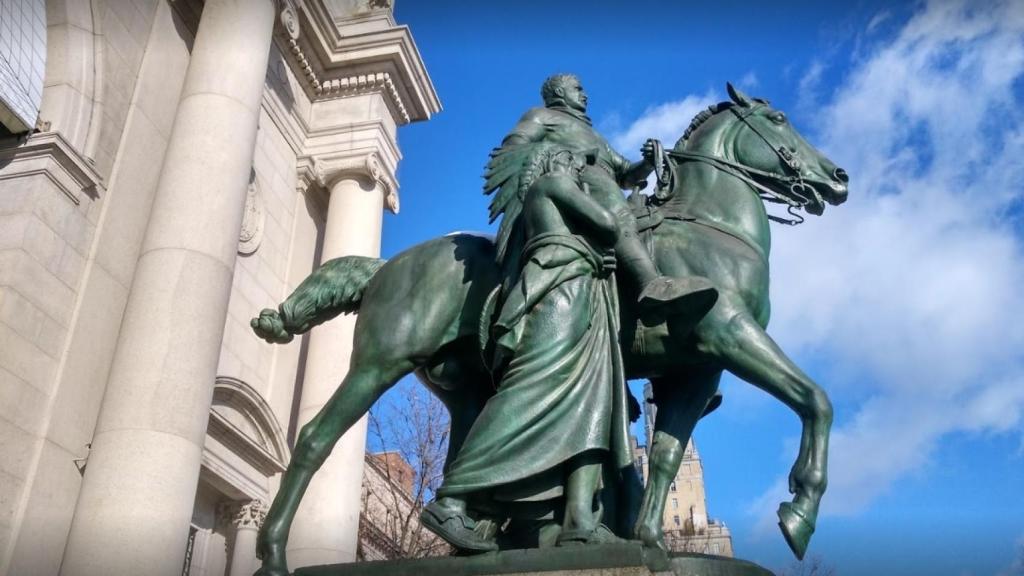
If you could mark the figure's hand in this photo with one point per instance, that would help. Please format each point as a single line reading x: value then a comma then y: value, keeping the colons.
x: 269, y: 326
x: 608, y: 260
x: 648, y: 151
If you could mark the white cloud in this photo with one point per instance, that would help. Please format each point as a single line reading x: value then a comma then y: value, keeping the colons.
x: 665, y: 122
x: 878, y: 19
x: 749, y: 81
x: 912, y: 290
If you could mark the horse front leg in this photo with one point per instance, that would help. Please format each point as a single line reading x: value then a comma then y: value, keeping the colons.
x: 747, y: 351
x: 681, y: 401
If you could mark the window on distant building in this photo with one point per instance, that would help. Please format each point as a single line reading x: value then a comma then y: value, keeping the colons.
x: 676, y: 520
x: 672, y: 486
x: 675, y: 504
x: 716, y: 548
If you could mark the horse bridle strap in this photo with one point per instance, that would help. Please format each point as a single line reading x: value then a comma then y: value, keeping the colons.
x: 744, y: 172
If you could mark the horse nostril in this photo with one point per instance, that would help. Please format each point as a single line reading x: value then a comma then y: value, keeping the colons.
x: 840, y: 175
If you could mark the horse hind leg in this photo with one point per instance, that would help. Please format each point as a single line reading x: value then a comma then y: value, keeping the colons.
x: 747, y: 351
x: 681, y: 402
x: 361, y: 388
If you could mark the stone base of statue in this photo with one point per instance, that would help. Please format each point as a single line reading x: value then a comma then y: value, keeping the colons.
x: 629, y: 559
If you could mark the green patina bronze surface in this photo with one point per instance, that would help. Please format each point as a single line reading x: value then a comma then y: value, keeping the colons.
x: 709, y: 220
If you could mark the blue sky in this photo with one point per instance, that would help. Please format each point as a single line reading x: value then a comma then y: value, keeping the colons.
x: 905, y: 303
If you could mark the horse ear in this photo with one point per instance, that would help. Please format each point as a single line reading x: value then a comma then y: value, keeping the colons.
x: 738, y: 96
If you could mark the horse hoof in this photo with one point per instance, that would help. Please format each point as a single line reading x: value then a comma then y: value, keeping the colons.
x: 650, y: 537
x: 796, y: 528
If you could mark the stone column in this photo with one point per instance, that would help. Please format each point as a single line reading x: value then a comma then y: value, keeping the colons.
x: 139, y: 487
x: 326, y: 527
x: 245, y: 518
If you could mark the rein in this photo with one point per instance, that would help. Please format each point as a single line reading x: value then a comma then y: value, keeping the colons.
x: 801, y: 192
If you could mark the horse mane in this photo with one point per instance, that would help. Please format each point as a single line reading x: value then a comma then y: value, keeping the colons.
x: 701, y: 118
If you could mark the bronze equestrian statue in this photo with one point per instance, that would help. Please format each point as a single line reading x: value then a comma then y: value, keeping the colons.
x: 707, y: 219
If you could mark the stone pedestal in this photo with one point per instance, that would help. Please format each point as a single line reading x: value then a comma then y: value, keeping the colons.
x: 627, y: 559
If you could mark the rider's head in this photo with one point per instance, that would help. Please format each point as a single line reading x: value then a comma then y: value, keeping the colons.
x: 564, y: 90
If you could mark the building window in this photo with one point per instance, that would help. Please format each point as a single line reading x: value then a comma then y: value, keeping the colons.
x: 716, y: 548
x: 676, y: 520
x: 689, y: 485
x: 675, y: 504
x: 672, y: 486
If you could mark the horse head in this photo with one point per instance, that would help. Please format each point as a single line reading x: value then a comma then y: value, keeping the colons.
x: 750, y: 139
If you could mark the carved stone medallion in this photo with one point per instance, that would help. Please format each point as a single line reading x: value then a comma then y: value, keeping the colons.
x: 253, y: 220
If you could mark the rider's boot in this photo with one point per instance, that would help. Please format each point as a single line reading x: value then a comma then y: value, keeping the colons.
x: 447, y: 517
x: 688, y: 298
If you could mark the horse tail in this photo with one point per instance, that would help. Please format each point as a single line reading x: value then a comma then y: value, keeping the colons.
x: 336, y: 287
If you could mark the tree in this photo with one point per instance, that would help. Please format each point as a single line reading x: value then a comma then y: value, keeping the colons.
x: 811, y: 566
x: 411, y: 428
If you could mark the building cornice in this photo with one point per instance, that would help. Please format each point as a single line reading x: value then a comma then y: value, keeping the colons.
x: 332, y: 64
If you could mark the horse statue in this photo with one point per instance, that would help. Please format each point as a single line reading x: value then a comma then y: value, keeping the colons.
x: 420, y: 312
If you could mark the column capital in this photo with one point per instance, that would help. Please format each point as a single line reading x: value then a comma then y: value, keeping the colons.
x: 326, y: 169
x: 242, y: 514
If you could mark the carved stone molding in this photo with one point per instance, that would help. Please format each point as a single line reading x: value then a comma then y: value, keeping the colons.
x: 289, y: 19
x: 49, y: 154
x: 326, y: 169
x: 242, y: 515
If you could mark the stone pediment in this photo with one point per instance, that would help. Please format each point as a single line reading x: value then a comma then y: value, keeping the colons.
x: 244, y: 442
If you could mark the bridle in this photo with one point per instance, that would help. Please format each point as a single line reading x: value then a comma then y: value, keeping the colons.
x: 801, y: 193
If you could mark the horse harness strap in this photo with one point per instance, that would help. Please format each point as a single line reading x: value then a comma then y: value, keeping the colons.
x: 746, y: 173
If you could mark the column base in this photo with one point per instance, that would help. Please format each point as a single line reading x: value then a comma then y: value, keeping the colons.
x: 628, y: 559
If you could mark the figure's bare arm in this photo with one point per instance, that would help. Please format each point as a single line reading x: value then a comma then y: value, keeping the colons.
x: 577, y: 205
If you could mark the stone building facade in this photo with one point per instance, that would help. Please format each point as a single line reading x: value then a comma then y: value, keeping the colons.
x: 688, y: 528
x: 183, y: 164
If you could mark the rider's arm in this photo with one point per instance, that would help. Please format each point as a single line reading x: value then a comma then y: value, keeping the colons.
x: 580, y: 207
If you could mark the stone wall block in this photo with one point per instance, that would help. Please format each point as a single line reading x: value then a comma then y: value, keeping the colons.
x: 25, y: 360
x: 74, y: 12
x: 87, y: 365
x: 16, y: 448
x: 69, y: 55
x: 27, y: 320
x: 13, y: 228
x: 38, y: 286
x: 21, y: 405
x: 116, y: 18
x: 47, y: 514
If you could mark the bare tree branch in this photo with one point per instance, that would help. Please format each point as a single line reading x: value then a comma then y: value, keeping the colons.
x: 412, y: 427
